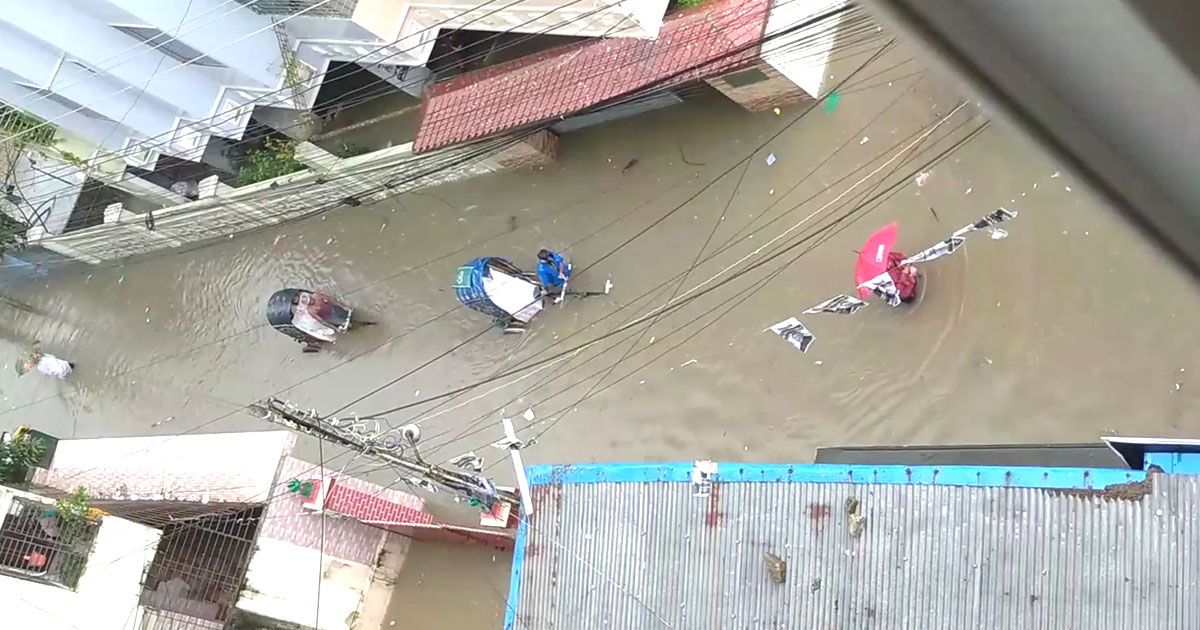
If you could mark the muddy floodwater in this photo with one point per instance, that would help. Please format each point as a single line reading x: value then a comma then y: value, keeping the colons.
x: 1072, y: 327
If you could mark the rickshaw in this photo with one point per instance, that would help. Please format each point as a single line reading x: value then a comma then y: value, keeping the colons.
x: 494, y: 286
x: 312, y: 318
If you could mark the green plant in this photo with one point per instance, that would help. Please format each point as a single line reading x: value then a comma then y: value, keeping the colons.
x: 17, y: 456
x: 686, y: 3
x: 74, y: 507
x: 33, y: 130
x: 276, y: 158
x: 77, y: 534
x: 12, y: 233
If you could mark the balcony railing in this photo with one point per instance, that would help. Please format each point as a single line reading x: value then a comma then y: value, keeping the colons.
x: 332, y: 8
x: 37, y: 544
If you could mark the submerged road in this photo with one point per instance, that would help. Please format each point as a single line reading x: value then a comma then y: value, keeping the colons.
x: 1070, y: 328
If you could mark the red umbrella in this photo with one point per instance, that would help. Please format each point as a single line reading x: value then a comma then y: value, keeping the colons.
x: 873, y: 259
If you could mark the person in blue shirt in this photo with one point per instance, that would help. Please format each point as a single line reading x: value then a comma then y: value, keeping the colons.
x: 553, y: 271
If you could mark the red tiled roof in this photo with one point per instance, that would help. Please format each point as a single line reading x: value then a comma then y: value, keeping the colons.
x: 568, y: 79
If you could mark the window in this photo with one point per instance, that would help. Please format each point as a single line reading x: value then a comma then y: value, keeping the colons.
x: 168, y: 45
x: 37, y: 544
x: 55, y: 97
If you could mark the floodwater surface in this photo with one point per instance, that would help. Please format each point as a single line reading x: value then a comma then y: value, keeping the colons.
x: 1070, y: 328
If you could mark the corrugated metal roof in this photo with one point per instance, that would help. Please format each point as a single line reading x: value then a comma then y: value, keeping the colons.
x: 651, y: 555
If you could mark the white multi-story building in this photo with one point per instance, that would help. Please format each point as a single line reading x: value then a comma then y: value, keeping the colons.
x: 142, y: 79
x: 148, y: 77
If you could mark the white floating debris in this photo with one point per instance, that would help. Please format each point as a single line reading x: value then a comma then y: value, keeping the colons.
x: 416, y: 393
x: 688, y: 362
x: 1178, y: 385
x: 922, y: 178
x: 608, y: 285
x: 1068, y: 188
x: 998, y: 233
x: 329, y: 241
x: 163, y: 421
x: 641, y: 382
x: 864, y: 140
x: 969, y: 191
x: 528, y: 415
x: 989, y: 361
x: 769, y: 192
x: 1035, y: 185
x: 777, y: 111
x: 820, y: 363
x: 1055, y: 175
x: 770, y: 159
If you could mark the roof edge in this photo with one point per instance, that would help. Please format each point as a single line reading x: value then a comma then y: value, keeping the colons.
x: 976, y: 476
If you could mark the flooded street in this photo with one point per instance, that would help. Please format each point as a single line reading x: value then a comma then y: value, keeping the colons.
x: 1070, y: 328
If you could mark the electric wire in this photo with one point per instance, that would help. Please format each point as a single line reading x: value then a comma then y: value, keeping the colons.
x: 848, y: 27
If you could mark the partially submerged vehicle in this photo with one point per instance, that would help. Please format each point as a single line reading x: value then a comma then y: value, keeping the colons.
x: 496, y: 287
x: 312, y: 318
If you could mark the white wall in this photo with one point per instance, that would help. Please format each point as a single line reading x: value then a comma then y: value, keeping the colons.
x: 232, y: 34
x: 108, y: 592
x: 280, y: 584
x: 803, y: 56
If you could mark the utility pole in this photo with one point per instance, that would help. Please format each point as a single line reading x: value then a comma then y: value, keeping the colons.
x: 364, y: 435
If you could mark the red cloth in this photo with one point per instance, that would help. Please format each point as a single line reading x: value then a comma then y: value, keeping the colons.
x: 320, y: 306
x: 905, y: 276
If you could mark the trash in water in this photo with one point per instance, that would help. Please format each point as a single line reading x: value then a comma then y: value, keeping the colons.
x: 528, y: 415
x: 121, y: 280
x: 688, y: 362
x: 998, y: 233
x: 864, y: 140
x: 840, y: 304
x: 163, y: 421
x: 795, y: 333
x: 1068, y: 188
x: 770, y: 159
x: 922, y: 178
x: 1055, y: 175
x: 777, y: 112
x: 608, y: 285
x: 832, y: 100
x: 968, y: 191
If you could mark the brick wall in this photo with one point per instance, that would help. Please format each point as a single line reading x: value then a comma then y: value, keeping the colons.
x: 759, y: 88
x: 376, y: 507
x: 538, y: 149
x: 286, y: 521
